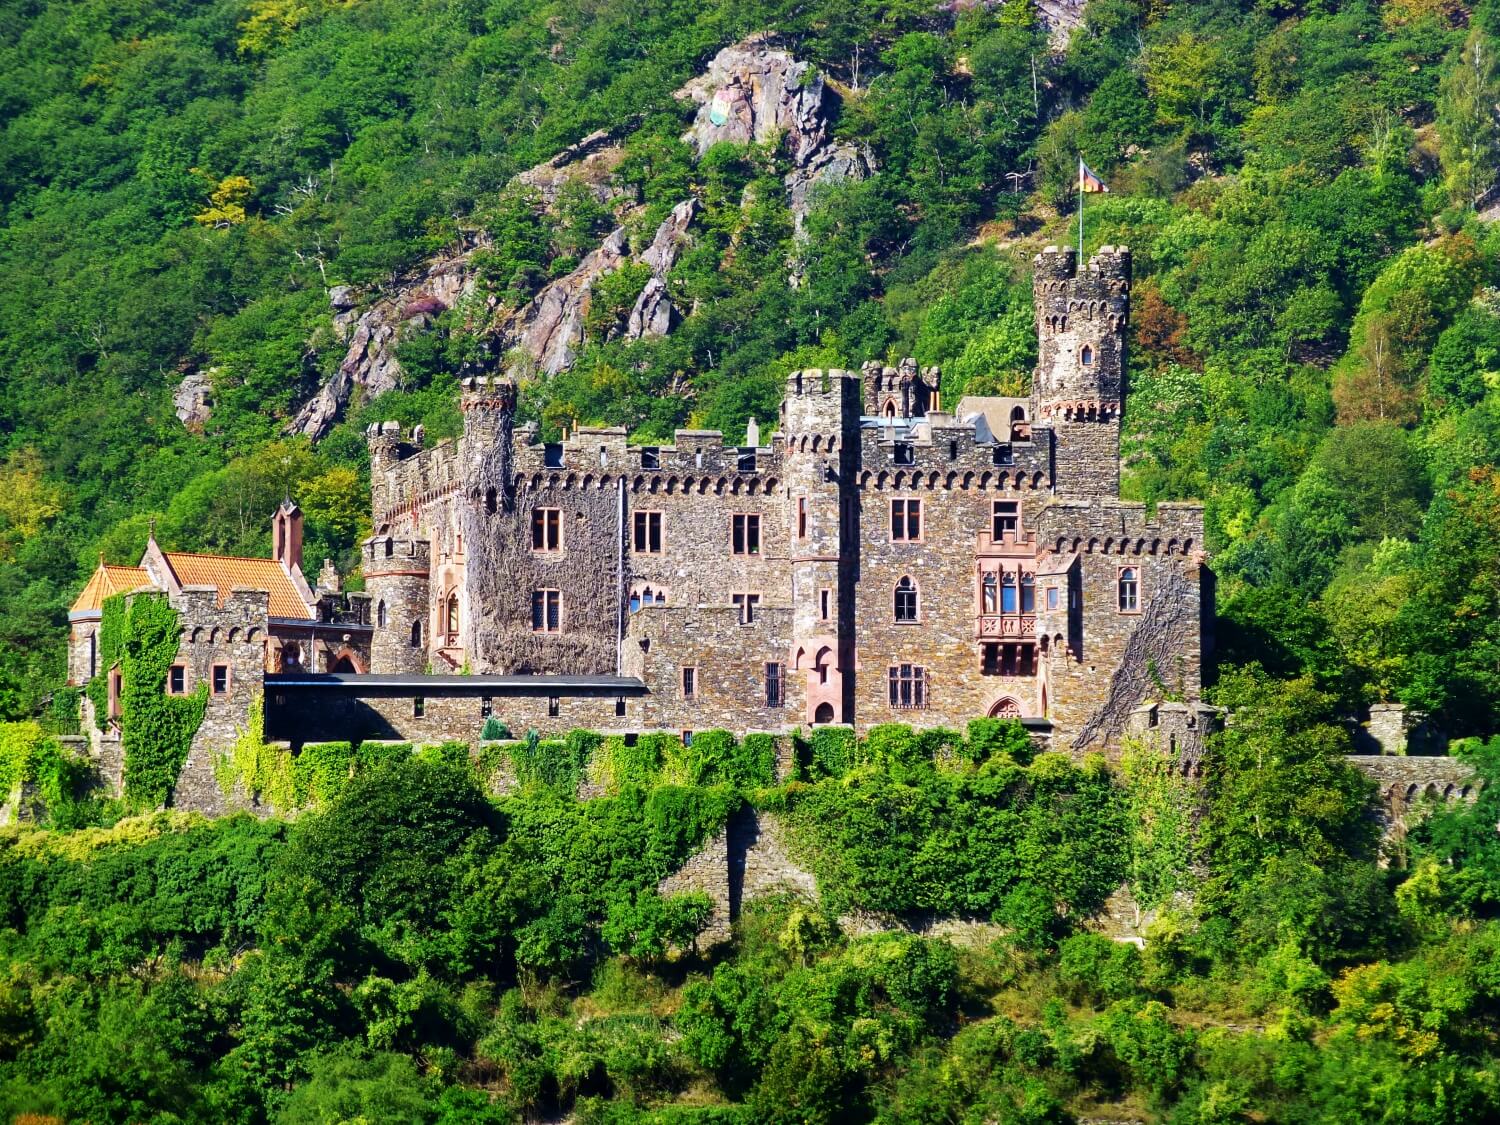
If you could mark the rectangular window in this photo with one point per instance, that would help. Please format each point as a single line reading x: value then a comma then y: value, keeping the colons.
x: 1052, y: 600
x: 746, y: 461
x: 1003, y: 455
x: 486, y: 707
x: 908, y: 683
x: 546, y: 529
x: 775, y: 685
x: 552, y: 455
x: 687, y: 738
x: 802, y: 517
x: 1005, y: 520
x: 546, y: 611
x: 219, y: 682
x: 650, y: 457
x: 620, y: 707
x: 745, y: 534
x: 825, y: 603
x: 906, y: 520
x: 418, y: 707
x: 554, y: 706
x: 177, y: 680
x: 989, y: 664
x: 690, y: 683
x: 648, y: 533
x: 746, y: 605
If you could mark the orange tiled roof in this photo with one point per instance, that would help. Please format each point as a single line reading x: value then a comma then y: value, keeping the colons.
x: 106, y: 582
x: 226, y: 572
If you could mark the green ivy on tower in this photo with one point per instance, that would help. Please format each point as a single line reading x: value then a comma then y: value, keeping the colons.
x: 156, y: 729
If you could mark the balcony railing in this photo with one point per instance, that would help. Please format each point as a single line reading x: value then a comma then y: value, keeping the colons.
x: 999, y: 625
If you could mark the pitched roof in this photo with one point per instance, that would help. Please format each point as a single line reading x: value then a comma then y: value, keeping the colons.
x: 106, y: 582
x: 226, y: 572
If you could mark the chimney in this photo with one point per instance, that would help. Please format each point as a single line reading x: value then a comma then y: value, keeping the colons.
x: 286, y: 536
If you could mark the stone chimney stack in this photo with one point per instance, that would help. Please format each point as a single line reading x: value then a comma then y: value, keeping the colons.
x: 286, y: 536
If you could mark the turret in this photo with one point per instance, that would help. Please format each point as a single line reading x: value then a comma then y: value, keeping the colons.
x: 1079, y: 388
x: 820, y: 426
x: 397, y: 581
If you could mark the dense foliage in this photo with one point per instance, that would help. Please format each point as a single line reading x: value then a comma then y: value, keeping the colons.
x: 412, y: 950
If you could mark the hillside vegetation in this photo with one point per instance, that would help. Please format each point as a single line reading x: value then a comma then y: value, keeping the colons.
x: 1316, y: 331
x: 409, y: 951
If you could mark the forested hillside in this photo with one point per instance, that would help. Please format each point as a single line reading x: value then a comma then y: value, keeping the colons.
x: 1316, y: 335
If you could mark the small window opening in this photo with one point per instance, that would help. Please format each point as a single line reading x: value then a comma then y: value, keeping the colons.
x: 552, y: 455
x: 554, y: 706
x: 418, y: 707
x: 906, y: 453
x: 650, y: 457
x: 747, y: 460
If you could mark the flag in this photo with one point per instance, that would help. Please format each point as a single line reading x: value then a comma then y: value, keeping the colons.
x: 1087, y: 180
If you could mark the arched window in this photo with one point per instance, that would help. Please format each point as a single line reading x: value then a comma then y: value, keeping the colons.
x: 890, y: 409
x: 1130, y: 590
x: 452, y: 613
x: 416, y: 633
x: 1086, y: 356
x: 989, y: 586
x: 1028, y: 593
x: 381, y: 617
x: 1007, y: 593
x: 906, y: 600
x: 823, y: 715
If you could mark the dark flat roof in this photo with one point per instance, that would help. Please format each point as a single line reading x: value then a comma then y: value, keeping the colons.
x: 355, y: 682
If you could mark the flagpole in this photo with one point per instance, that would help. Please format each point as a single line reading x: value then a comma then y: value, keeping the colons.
x: 1080, y: 210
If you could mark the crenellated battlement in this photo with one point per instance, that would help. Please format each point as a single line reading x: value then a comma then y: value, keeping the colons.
x: 1121, y: 527
x: 394, y: 554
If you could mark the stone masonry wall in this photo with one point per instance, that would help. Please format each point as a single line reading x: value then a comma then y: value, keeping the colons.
x: 448, y: 714
x: 233, y: 635
x: 729, y: 662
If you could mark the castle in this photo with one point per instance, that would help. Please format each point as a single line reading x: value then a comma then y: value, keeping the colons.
x: 880, y: 558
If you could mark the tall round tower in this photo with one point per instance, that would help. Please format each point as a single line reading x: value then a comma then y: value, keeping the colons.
x: 1079, y: 387
x: 396, y: 571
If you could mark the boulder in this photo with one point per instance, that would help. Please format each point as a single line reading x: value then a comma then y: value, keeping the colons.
x: 194, y: 399
x: 341, y: 297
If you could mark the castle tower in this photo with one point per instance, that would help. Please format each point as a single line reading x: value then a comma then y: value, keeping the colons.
x: 820, y: 425
x: 1079, y: 388
x: 487, y: 514
x: 397, y: 581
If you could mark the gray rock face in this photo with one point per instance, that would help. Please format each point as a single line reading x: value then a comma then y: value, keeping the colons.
x: 592, y: 162
x: 550, y: 329
x: 194, y: 399
x: 752, y: 92
x: 370, y: 360
x: 653, y: 313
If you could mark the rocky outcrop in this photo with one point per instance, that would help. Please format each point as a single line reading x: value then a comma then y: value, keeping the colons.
x: 654, y: 314
x: 755, y: 93
x: 750, y: 92
x: 194, y: 399
x: 370, y: 359
x: 550, y: 328
x: 591, y: 162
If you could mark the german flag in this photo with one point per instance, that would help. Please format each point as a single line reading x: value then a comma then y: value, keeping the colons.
x: 1088, y: 181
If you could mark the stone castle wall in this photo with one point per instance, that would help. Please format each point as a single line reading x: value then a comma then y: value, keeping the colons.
x: 233, y: 635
